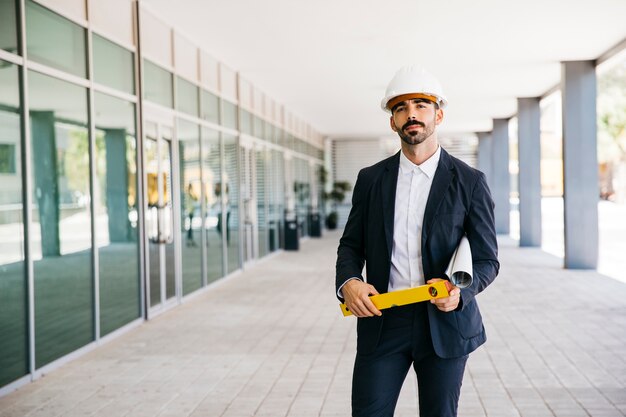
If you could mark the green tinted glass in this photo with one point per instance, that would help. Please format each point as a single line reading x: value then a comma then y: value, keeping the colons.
x: 230, y: 193
x: 276, y: 199
x: 245, y: 122
x: 118, y: 250
x: 210, y: 107
x: 262, y: 194
x: 61, y: 238
x: 229, y: 114
x: 113, y: 65
x: 8, y: 32
x: 13, y: 324
x: 212, y: 184
x: 53, y: 40
x: 190, y: 201
x: 186, y: 97
x: 157, y: 84
x: 259, y: 127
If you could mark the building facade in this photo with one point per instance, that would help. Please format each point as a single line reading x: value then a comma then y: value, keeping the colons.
x: 135, y: 170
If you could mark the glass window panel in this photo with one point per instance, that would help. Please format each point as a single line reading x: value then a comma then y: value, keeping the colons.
x: 8, y: 29
x: 113, y: 65
x: 116, y: 212
x: 53, y: 40
x: 7, y: 158
x: 165, y: 156
x: 157, y: 84
x: 186, y: 97
x: 259, y: 127
x: 245, y: 122
x: 190, y: 202
x: 302, y: 193
x: 277, y: 202
x: 13, y: 311
x: 61, y: 229
x: 261, y: 196
x: 229, y: 114
x: 213, y: 201
x: 210, y: 107
x: 231, y: 201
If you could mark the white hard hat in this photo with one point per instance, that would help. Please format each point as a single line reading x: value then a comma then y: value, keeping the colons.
x: 415, y: 82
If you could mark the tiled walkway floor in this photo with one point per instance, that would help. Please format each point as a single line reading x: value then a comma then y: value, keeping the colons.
x: 272, y: 342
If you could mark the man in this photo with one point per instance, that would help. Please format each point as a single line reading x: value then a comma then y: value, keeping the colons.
x: 409, y: 213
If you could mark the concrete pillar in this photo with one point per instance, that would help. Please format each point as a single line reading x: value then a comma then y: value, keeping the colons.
x: 485, y: 152
x: 117, y: 185
x: 46, y: 184
x: 529, y: 144
x: 580, y: 164
x: 501, y: 179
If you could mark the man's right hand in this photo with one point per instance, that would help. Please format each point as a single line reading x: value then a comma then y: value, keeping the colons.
x: 356, y: 295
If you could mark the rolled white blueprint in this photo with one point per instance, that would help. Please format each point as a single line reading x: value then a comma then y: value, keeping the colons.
x: 459, y: 269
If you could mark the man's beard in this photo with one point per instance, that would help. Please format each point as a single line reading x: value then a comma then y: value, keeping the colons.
x: 415, y: 137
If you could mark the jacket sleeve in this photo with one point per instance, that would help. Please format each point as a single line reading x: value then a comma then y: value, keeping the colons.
x: 481, y: 234
x: 351, y: 251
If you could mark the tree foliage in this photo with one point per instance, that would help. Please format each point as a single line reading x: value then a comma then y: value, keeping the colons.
x: 612, y: 113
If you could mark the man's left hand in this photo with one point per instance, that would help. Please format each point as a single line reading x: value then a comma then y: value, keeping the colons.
x: 449, y: 303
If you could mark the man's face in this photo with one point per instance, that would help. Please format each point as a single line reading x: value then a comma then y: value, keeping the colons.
x: 415, y: 120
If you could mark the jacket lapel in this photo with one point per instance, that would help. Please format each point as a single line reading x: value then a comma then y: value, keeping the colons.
x: 388, y: 184
x: 441, y: 182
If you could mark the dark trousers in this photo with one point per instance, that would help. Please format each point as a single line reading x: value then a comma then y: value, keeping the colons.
x: 405, y: 340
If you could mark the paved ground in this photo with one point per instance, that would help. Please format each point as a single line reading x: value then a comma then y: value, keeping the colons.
x: 272, y: 342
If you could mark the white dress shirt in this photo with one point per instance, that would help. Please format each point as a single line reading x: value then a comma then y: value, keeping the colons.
x: 414, y: 182
x: 413, y: 187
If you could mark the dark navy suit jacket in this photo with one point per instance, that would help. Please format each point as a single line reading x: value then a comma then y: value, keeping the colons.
x: 459, y: 203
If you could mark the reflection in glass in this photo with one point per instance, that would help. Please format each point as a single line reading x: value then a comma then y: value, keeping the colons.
x: 152, y: 214
x: 191, y: 211
x: 113, y: 65
x: 116, y: 212
x: 229, y: 114
x: 259, y: 127
x: 157, y: 84
x: 168, y: 212
x: 248, y: 206
x: 186, y: 97
x: 159, y: 213
x: 61, y: 230
x: 230, y: 191
x: 13, y: 311
x: 53, y: 40
x: 276, y: 201
x: 245, y: 122
x: 213, y: 203
x: 261, y: 195
x: 210, y: 107
x: 8, y: 33
x: 302, y: 192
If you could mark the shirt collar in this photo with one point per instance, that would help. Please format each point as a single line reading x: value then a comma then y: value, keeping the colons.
x: 428, y: 167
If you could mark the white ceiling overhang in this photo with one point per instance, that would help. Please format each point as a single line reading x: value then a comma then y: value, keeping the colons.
x: 329, y: 61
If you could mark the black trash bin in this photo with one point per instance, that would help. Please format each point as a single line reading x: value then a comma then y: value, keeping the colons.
x: 292, y: 237
x: 315, y: 225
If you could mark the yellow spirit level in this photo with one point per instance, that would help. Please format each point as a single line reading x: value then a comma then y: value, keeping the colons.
x: 404, y: 297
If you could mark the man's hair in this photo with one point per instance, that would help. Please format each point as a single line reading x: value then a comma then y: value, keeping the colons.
x: 393, y: 109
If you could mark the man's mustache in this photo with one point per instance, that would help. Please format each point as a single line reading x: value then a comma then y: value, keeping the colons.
x: 412, y: 122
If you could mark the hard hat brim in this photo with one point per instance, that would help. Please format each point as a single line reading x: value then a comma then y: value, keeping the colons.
x: 389, y: 102
x: 403, y: 97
